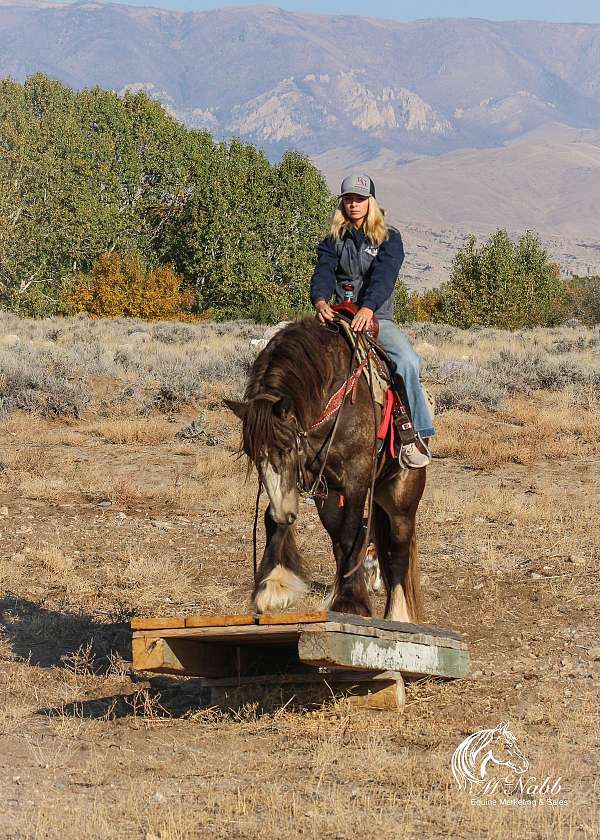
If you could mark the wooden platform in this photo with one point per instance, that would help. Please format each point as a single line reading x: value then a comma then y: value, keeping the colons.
x: 363, y: 660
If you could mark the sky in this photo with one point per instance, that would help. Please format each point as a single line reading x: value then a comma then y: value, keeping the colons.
x: 581, y: 11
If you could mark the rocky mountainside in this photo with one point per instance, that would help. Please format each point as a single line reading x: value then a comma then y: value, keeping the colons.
x: 280, y: 78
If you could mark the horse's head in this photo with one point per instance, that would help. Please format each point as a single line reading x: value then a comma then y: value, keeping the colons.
x: 270, y: 440
x: 504, y: 750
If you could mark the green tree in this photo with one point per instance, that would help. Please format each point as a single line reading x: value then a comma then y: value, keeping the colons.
x: 403, y: 311
x: 89, y: 173
x: 581, y: 299
x: 247, y: 236
x: 502, y: 284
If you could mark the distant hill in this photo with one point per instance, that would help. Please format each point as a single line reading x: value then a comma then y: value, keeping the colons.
x: 465, y: 123
x: 551, y: 178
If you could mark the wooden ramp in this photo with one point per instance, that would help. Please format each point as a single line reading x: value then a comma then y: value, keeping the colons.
x: 323, y: 653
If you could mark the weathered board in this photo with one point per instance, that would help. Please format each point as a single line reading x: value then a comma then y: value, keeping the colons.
x: 375, y: 654
x: 358, y: 657
x: 289, y: 618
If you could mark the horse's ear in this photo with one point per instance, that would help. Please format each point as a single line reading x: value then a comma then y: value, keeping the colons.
x: 238, y: 408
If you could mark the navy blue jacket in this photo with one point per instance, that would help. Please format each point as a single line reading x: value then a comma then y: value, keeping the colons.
x: 371, y: 271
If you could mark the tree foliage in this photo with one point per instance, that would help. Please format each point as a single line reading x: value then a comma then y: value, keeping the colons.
x: 582, y: 299
x: 502, y: 284
x: 88, y: 173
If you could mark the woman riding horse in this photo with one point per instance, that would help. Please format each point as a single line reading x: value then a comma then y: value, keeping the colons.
x: 296, y: 447
x: 364, y: 253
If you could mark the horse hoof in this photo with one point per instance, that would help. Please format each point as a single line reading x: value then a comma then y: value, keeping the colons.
x: 346, y: 605
x: 278, y: 591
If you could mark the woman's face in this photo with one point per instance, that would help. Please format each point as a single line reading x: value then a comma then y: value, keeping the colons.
x: 356, y: 208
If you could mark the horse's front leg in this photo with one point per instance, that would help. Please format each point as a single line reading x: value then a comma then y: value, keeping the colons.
x: 344, y: 523
x: 280, y: 578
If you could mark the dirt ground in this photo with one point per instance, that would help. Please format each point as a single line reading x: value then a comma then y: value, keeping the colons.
x: 103, y: 519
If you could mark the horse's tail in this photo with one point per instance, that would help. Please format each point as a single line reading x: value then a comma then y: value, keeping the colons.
x: 412, y: 579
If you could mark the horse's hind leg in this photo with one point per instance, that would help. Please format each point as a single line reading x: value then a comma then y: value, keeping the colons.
x: 280, y: 577
x: 397, y: 547
x: 344, y: 525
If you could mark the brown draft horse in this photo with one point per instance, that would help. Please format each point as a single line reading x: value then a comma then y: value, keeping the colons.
x: 289, y: 385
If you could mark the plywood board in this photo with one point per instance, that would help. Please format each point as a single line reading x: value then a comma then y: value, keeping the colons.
x: 280, y: 633
x: 271, y: 619
x: 293, y: 618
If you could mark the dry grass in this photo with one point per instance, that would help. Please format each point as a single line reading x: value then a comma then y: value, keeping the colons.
x: 111, y: 515
x: 150, y: 430
x: 525, y: 429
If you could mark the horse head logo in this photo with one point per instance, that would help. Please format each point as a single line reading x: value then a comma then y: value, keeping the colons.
x: 472, y: 758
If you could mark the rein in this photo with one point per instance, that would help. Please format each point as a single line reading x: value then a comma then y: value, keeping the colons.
x: 255, y: 531
x: 359, y: 564
x: 349, y: 386
x: 328, y: 442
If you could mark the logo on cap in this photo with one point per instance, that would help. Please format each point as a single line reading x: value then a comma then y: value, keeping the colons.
x: 358, y: 183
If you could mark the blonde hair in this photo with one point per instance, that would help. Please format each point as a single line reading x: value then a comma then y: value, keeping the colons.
x: 374, y: 227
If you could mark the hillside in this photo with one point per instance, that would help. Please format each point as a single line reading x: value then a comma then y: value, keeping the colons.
x: 548, y: 180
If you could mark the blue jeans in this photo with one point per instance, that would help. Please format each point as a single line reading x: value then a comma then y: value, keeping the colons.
x: 408, y: 365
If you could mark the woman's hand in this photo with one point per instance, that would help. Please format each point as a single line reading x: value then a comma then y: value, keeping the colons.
x: 362, y: 319
x: 324, y: 311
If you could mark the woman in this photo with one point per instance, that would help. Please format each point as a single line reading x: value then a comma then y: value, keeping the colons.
x: 363, y: 251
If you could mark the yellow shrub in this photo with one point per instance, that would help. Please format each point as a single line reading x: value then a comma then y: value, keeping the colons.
x: 426, y: 305
x: 120, y: 286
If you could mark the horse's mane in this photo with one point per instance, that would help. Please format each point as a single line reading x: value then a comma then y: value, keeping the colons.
x: 291, y: 376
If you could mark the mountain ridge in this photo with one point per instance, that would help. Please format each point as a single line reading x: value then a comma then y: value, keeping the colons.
x: 426, y: 86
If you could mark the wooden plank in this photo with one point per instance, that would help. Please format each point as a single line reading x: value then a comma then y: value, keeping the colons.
x: 361, y: 653
x: 359, y: 621
x: 248, y: 634
x: 293, y: 618
x: 397, y: 626
x: 183, y: 656
x: 388, y: 696
x: 283, y: 633
x: 219, y: 620
x: 383, y: 698
x: 157, y: 623
x: 331, y: 677
x: 375, y: 632
x: 273, y: 619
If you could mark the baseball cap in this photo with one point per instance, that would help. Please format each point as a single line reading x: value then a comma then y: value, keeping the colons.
x: 359, y: 184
